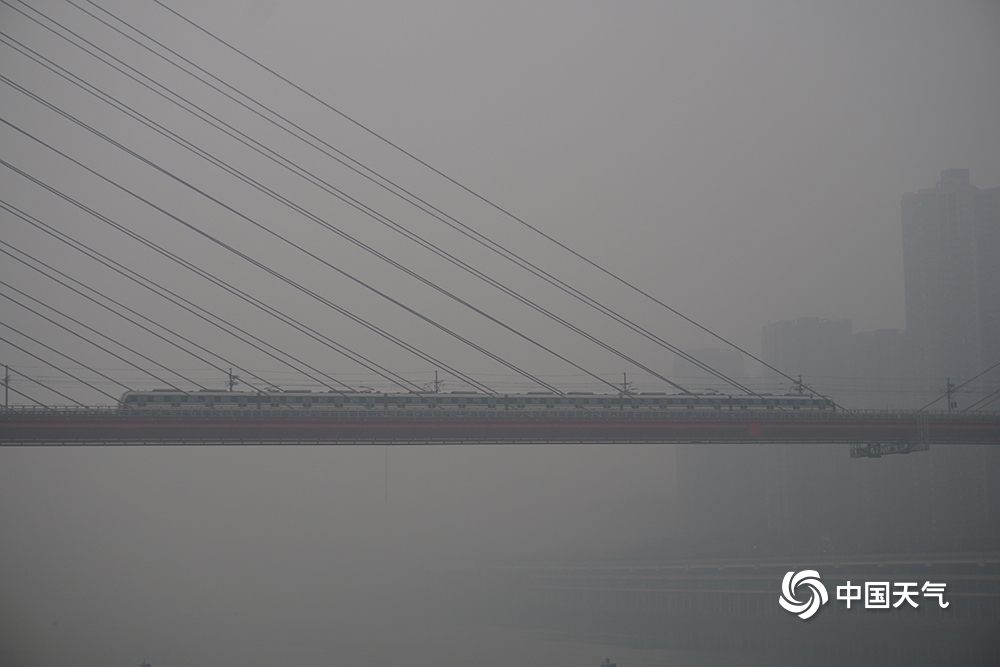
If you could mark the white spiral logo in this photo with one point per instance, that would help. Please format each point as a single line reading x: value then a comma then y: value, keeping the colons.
x: 817, y: 594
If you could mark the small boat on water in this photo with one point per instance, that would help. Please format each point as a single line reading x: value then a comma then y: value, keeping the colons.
x: 607, y: 663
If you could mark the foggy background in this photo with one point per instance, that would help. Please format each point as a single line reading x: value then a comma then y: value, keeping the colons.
x: 743, y: 163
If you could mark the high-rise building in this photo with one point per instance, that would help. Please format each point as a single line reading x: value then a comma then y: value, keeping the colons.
x: 868, y: 370
x: 951, y: 268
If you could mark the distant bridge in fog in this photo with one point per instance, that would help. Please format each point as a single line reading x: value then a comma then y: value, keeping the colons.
x: 869, y: 433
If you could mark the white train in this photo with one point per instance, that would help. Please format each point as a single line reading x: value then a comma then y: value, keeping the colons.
x: 170, y: 399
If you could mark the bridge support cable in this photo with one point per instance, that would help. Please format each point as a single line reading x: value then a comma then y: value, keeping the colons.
x: 66, y: 356
x: 474, y: 193
x: 381, y: 332
x: 325, y: 340
x: 286, y: 163
x: 365, y: 247
x: 381, y: 256
x: 409, y: 197
x: 178, y: 300
x: 453, y: 371
x: 352, y: 316
x: 989, y: 399
x: 119, y: 314
x: 21, y: 393
x: 94, y: 331
x: 952, y: 390
x: 64, y: 372
x: 413, y: 200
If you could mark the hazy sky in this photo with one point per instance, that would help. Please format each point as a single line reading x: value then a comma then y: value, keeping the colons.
x: 743, y: 163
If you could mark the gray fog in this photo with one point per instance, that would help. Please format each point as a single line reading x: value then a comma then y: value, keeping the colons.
x: 743, y: 163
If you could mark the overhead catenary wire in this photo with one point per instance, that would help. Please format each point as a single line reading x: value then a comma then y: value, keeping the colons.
x: 475, y: 194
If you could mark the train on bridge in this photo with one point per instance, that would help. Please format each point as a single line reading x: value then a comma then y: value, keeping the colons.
x: 169, y: 399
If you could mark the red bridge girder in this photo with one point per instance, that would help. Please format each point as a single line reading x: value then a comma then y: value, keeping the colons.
x: 375, y: 427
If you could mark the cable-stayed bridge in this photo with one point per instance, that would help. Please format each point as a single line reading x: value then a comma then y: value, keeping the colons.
x: 162, y: 212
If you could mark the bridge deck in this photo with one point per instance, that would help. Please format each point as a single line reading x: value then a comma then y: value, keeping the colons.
x: 192, y: 427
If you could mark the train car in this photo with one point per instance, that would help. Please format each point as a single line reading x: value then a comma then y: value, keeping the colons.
x: 170, y: 399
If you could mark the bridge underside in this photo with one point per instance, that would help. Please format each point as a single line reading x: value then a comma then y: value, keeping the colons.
x: 874, y: 433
